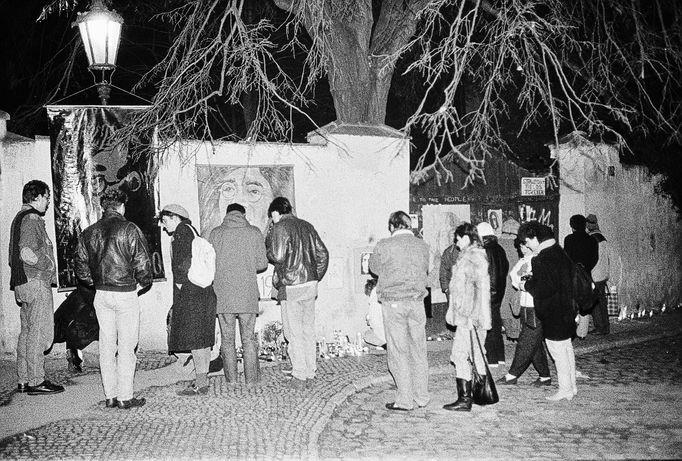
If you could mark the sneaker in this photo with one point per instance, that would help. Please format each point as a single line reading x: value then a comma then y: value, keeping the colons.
x: 540, y: 382
x: 46, y: 387
x: 193, y: 390
x: 504, y: 381
x: 127, y: 404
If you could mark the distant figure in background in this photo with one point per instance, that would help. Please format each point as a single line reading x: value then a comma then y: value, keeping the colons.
x: 192, y: 315
x: 469, y: 311
x: 113, y: 256
x: 301, y: 260
x: 582, y: 249
x: 530, y: 347
x: 579, y: 246
x: 31, y: 259
x: 600, y: 276
x: 447, y: 260
x: 498, y: 268
x: 551, y: 286
x: 240, y: 255
x: 401, y: 262
x: 375, y: 335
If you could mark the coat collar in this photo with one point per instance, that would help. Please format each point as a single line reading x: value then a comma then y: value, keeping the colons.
x: 544, y: 245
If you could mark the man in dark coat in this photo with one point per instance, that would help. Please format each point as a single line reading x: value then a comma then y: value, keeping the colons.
x: 301, y: 260
x: 579, y: 246
x: 498, y: 267
x: 447, y: 260
x: 113, y: 256
x: 240, y: 255
x: 551, y: 285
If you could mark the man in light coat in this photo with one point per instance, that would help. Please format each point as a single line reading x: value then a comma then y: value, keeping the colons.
x: 240, y: 255
x: 31, y: 259
x: 401, y: 262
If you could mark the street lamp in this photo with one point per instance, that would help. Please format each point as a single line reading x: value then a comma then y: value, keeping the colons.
x: 100, y: 31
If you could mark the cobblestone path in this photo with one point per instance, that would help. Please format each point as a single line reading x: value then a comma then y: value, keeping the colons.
x: 271, y: 421
x: 631, y: 407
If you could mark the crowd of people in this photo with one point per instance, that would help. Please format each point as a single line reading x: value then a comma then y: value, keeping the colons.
x: 112, y: 256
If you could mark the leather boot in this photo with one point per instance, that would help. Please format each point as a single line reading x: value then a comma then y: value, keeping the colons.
x: 463, y: 402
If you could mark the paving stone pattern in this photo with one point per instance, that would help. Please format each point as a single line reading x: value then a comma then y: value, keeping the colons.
x: 630, y: 408
x: 271, y: 421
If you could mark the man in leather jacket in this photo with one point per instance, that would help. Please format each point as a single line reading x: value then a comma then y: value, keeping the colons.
x: 301, y: 260
x: 498, y: 267
x: 113, y: 257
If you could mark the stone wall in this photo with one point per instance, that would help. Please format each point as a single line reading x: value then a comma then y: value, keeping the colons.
x: 644, y: 230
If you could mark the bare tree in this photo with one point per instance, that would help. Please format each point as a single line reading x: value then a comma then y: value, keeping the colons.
x: 605, y: 67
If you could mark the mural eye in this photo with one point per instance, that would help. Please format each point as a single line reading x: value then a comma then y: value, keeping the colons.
x: 254, y: 193
x: 228, y: 189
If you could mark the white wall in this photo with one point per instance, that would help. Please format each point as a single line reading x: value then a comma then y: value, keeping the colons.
x: 640, y: 224
x: 346, y: 189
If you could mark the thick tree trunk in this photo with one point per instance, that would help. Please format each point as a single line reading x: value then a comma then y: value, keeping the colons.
x: 358, y: 69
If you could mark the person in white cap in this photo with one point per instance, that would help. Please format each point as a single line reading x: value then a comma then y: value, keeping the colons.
x: 498, y: 267
x: 192, y: 316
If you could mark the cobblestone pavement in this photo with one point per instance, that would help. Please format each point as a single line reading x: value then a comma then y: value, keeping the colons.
x: 629, y: 408
x: 57, y: 371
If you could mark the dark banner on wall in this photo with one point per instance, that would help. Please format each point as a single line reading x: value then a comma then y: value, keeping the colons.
x: 86, y: 161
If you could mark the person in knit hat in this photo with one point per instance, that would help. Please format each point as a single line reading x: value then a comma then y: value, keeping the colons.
x: 600, y: 276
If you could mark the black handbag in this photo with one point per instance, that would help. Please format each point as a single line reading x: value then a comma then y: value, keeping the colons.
x: 483, y: 390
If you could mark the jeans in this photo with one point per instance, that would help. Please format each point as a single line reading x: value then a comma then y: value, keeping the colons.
x: 461, y: 352
x: 600, y: 313
x: 530, y: 349
x: 247, y: 324
x: 564, y: 360
x: 118, y: 314
x: 37, y: 330
x: 298, y: 323
x: 404, y: 323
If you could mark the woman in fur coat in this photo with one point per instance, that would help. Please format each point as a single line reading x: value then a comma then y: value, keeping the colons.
x: 469, y: 310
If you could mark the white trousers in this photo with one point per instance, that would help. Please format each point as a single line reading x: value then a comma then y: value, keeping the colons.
x: 564, y: 360
x: 118, y: 314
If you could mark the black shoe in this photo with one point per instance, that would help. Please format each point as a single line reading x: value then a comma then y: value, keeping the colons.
x: 126, y: 404
x: 391, y: 406
x: 539, y: 382
x: 22, y: 388
x: 46, y: 387
x: 111, y: 403
x: 504, y: 381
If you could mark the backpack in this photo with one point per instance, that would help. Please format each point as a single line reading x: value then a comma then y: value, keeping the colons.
x: 583, y: 290
x: 202, y: 268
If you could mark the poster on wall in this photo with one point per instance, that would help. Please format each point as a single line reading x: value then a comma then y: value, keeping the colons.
x: 86, y: 161
x: 438, y: 227
x: 254, y: 187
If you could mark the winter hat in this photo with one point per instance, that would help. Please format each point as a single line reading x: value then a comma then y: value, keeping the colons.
x: 510, y: 228
x: 176, y: 209
x: 591, y: 222
x: 484, y: 229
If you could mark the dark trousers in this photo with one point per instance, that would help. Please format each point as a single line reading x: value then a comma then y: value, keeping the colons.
x: 600, y: 313
x: 494, y: 344
x: 530, y: 348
